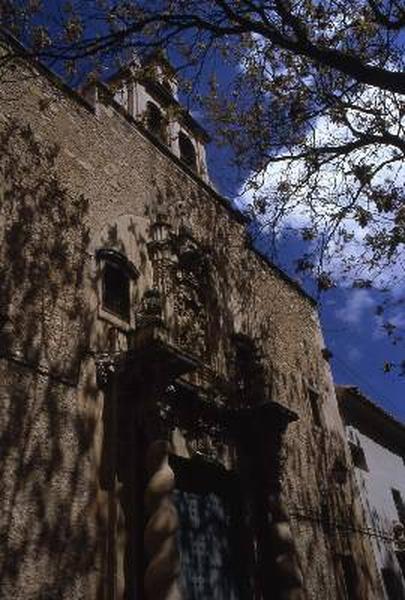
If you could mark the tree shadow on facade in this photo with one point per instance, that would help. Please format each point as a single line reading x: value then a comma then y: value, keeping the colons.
x: 48, y: 520
x: 329, y: 510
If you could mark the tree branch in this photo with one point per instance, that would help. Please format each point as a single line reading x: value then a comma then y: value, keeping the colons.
x: 383, y: 20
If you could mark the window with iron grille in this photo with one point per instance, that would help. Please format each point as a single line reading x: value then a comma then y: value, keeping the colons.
x: 117, y: 272
x: 358, y: 456
x: 399, y: 503
x: 350, y: 577
x: 116, y: 291
x: 401, y: 560
x: 392, y: 583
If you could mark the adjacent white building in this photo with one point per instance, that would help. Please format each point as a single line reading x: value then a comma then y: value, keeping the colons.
x: 377, y: 444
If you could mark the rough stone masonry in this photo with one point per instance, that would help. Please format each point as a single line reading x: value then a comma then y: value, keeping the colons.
x: 168, y: 423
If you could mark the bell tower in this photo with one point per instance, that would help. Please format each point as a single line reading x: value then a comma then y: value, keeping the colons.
x: 148, y: 90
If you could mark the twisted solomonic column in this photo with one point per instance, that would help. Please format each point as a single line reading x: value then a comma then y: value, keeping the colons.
x: 287, y: 568
x: 162, y: 572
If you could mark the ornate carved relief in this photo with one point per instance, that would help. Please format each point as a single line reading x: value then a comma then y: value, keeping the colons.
x: 161, y: 251
x: 247, y: 371
x: 150, y: 309
x: 181, y: 274
x: 191, y: 287
x: 106, y: 368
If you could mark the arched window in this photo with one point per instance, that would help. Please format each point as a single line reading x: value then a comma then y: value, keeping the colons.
x: 187, y: 151
x: 117, y: 272
x: 155, y: 122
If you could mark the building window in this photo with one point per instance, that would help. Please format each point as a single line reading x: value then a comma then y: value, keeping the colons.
x: 313, y: 396
x: 215, y: 541
x: 399, y: 503
x: 155, y: 122
x: 392, y: 583
x: 187, y: 151
x: 350, y: 577
x: 116, y: 291
x: 401, y: 560
x: 117, y: 272
x: 358, y: 456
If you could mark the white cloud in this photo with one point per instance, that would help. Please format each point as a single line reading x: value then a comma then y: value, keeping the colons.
x: 354, y: 354
x: 357, y: 303
x: 398, y: 320
x: 334, y: 185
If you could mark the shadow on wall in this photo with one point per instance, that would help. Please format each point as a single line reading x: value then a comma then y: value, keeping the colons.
x: 212, y: 285
x: 329, y: 509
x: 47, y: 539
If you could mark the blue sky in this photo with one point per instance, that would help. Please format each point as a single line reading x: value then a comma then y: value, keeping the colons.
x: 360, y: 346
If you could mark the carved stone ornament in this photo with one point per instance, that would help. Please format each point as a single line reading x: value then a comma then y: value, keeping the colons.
x: 111, y: 255
x: 198, y: 416
x: 191, y: 287
x: 150, y: 312
x: 106, y: 367
x: 191, y: 255
x: 191, y: 316
x: 160, y: 246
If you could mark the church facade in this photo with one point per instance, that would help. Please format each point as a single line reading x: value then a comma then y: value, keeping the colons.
x: 169, y: 425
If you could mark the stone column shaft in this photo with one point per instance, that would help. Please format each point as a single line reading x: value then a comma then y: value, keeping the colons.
x: 162, y: 573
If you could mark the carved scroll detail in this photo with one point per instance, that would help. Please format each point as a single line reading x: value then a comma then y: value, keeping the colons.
x: 161, y: 577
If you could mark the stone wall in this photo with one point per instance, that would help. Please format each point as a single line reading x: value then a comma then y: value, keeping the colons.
x: 76, y: 177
